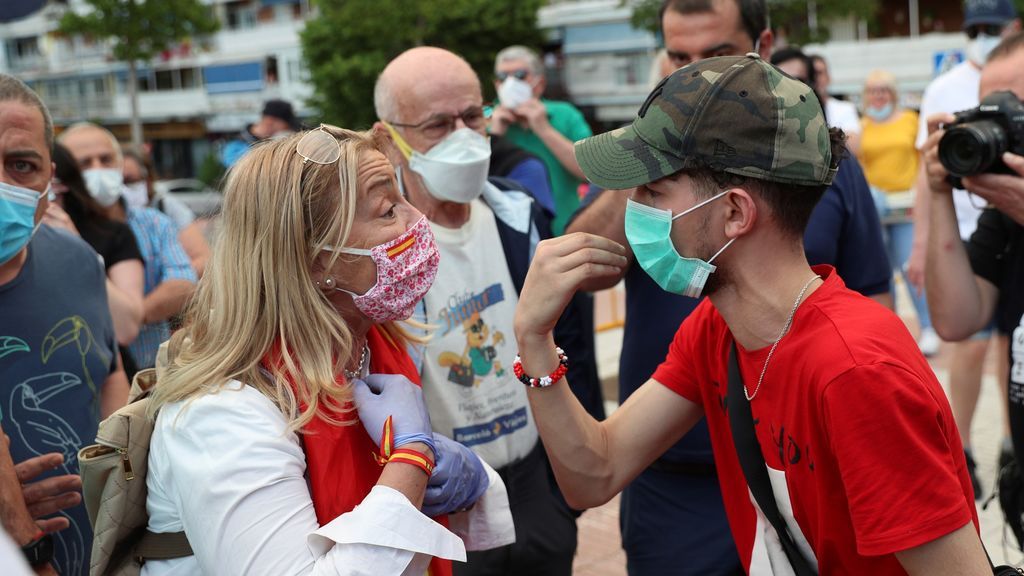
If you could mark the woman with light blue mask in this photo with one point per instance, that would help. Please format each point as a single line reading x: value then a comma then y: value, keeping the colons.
x: 889, y: 157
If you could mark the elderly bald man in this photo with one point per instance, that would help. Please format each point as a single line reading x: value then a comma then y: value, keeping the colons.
x: 430, y: 106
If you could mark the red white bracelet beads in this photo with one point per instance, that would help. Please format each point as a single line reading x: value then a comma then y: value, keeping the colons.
x: 543, y: 381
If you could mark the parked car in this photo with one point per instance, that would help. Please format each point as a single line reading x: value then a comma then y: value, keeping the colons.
x: 199, y: 197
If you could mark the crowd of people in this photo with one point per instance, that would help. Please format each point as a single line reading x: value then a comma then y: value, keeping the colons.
x: 384, y: 363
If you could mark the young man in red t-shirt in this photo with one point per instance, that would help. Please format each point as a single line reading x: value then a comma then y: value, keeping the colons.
x: 863, y: 455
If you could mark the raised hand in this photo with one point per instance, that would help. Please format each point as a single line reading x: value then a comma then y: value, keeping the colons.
x: 45, y: 497
x: 381, y: 395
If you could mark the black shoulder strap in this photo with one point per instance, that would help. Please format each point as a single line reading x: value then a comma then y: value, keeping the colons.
x: 741, y: 421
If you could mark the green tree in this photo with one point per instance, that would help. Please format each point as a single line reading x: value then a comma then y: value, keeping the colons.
x: 139, y: 30
x: 353, y: 40
x: 645, y: 14
x: 795, y: 16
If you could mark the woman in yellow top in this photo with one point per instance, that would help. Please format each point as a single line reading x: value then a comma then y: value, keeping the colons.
x: 889, y: 157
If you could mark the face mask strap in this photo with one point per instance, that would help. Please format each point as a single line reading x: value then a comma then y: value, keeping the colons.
x: 403, y: 146
x: 727, y: 244
x: 356, y: 251
x: 705, y: 202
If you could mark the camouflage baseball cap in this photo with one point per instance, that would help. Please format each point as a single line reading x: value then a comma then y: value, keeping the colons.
x: 736, y: 114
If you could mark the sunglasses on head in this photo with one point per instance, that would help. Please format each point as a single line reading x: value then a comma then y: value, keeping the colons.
x: 520, y: 74
x: 319, y: 146
x: 986, y: 29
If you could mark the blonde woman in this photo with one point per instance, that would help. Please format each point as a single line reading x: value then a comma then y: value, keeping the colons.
x: 292, y: 332
x: 889, y: 157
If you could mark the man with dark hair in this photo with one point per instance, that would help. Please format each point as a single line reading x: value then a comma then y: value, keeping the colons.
x: 717, y: 20
x: 845, y: 422
x: 800, y: 66
x: 277, y: 120
x: 838, y: 113
x: 985, y: 22
x: 966, y: 280
x: 60, y: 373
x: 672, y: 518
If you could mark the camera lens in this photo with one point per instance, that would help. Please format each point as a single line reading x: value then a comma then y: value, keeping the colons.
x: 972, y: 148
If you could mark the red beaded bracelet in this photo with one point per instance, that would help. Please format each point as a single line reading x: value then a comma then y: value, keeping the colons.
x: 543, y: 381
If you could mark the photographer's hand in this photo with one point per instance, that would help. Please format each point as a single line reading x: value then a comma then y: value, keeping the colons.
x: 1004, y: 191
x: 930, y: 154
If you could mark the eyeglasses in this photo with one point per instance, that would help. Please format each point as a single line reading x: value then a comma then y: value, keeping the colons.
x: 440, y: 125
x: 521, y: 74
x: 986, y: 29
x: 319, y: 146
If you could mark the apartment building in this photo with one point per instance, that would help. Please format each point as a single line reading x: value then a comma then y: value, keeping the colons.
x: 189, y: 97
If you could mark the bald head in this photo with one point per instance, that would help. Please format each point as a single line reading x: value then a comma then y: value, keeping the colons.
x: 420, y: 76
x: 92, y: 146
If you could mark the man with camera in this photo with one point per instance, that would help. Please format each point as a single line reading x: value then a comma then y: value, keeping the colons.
x: 965, y: 281
x: 985, y: 23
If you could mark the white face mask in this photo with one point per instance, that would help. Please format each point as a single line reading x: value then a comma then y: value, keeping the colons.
x: 136, y: 195
x: 979, y: 48
x: 514, y: 92
x: 456, y: 168
x: 105, y: 185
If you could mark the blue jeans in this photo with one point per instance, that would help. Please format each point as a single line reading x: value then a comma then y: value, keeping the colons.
x: 899, y: 238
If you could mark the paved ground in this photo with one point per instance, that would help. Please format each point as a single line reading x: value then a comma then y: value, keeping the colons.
x: 600, y: 554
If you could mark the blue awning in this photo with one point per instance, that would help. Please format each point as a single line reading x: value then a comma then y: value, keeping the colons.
x: 15, y: 9
x: 247, y: 77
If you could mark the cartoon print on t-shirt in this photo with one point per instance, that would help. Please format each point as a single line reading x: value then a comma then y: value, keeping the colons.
x: 478, y: 358
x: 12, y: 344
x: 75, y: 330
x: 41, y: 430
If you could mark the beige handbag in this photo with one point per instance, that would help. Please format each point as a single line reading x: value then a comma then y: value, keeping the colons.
x: 114, y: 487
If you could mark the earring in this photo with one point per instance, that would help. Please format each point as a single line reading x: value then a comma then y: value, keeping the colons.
x: 329, y: 282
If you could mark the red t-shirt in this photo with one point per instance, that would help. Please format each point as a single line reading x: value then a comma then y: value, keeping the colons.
x: 856, y: 431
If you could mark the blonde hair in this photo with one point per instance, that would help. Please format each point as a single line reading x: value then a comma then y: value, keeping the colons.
x: 884, y: 79
x: 259, y: 293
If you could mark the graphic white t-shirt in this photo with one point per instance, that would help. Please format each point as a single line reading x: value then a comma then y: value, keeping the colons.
x: 954, y: 91
x: 468, y: 384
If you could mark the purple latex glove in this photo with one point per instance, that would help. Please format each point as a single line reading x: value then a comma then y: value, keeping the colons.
x: 458, y: 481
x: 381, y: 395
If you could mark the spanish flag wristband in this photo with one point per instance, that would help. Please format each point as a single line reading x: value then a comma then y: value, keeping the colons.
x: 417, y: 459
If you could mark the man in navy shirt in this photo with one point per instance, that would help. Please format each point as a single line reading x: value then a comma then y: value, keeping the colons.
x: 672, y: 517
x: 59, y: 369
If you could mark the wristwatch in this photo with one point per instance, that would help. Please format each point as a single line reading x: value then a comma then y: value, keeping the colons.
x: 39, y: 551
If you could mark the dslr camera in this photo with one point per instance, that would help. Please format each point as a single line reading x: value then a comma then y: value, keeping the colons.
x: 974, y: 143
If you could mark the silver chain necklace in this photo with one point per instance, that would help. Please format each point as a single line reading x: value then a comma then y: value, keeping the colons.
x: 351, y: 375
x: 789, y: 322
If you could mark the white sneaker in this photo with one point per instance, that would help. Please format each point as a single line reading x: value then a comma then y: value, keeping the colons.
x: 929, y: 342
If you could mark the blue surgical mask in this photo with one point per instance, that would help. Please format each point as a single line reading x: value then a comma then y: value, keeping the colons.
x: 879, y: 114
x: 649, y: 231
x: 17, y: 219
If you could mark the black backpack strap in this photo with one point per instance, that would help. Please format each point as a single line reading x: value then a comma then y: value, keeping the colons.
x: 741, y: 421
x: 162, y: 546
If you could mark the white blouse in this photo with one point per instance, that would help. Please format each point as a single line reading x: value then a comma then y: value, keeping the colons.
x: 224, y: 468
